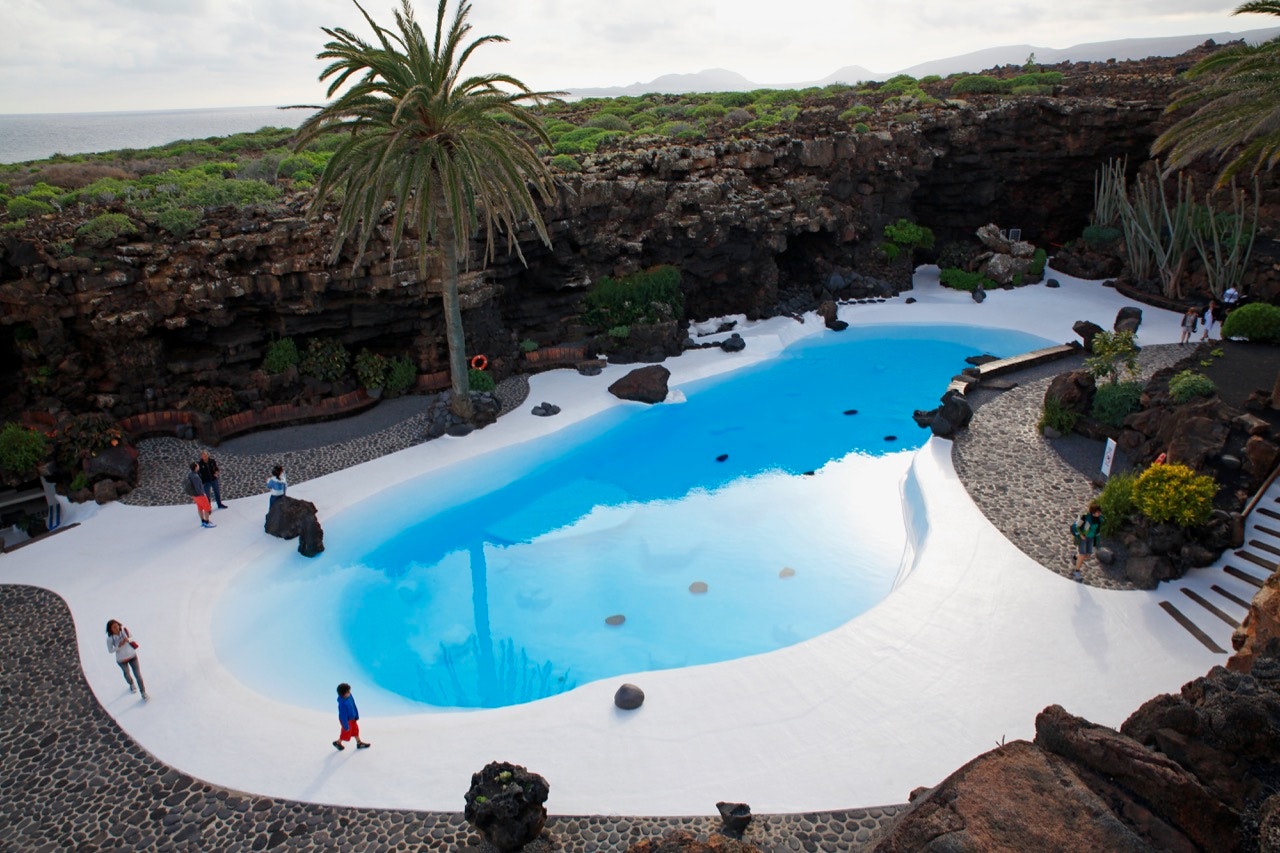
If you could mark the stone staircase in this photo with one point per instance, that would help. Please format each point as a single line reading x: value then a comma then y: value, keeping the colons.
x: 1211, y: 602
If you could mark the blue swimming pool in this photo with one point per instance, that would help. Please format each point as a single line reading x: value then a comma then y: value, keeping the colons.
x: 760, y: 512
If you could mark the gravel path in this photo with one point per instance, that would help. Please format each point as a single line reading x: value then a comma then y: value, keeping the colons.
x: 1030, y: 487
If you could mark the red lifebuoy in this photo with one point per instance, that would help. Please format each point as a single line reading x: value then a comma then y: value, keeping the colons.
x: 479, y: 362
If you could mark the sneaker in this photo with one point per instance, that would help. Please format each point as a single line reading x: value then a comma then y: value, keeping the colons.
x: 145, y: 697
x: 132, y: 689
x: 363, y: 745
x: 207, y: 524
x: 222, y: 506
x: 338, y: 745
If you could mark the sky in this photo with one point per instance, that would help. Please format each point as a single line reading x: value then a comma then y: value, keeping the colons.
x: 104, y: 55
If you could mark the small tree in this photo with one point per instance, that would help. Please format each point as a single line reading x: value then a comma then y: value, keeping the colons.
x: 1114, y: 354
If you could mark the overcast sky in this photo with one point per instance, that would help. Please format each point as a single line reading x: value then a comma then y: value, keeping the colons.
x: 87, y: 55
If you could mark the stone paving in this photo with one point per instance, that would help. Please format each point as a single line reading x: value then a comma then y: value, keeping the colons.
x: 1030, y: 487
x: 307, y: 451
x: 70, y: 779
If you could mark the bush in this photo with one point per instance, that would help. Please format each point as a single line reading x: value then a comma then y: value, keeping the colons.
x: 978, y: 84
x: 178, y: 221
x: 21, y: 450
x: 1257, y: 321
x: 401, y: 374
x: 1116, y: 501
x: 1057, y: 416
x: 24, y: 207
x: 83, y: 436
x: 909, y: 235
x: 620, y: 333
x: 890, y: 250
x: 1098, y: 237
x: 856, y: 112
x: 1115, y: 354
x: 737, y: 117
x: 1038, y: 261
x: 1174, y: 494
x: 371, y: 369
x: 106, y: 228
x: 1187, y: 385
x: 281, y: 355
x: 481, y: 381
x: 644, y: 297
x: 215, y: 402
x: 326, y: 359
x: 528, y: 345
x: 955, y: 255
x: 712, y: 112
x: 861, y: 127
x: 1113, y: 401
x: 566, y: 163
x: 608, y: 121
x: 958, y: 279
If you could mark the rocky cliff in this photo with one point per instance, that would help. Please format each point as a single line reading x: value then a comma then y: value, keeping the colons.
x: 756, y: 226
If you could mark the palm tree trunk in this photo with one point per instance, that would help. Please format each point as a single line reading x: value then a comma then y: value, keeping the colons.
x: 445, y: 239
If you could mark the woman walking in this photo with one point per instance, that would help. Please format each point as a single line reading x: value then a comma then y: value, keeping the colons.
x: 125, y: 648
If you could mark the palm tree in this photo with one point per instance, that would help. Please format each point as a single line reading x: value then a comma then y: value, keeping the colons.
x: 446, y: 150
x: 1236, y: 96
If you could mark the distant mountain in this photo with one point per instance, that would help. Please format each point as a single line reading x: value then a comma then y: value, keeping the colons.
x: 722, y: 80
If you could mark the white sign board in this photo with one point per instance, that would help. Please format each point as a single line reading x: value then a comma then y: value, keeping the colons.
x: 1108, y: 456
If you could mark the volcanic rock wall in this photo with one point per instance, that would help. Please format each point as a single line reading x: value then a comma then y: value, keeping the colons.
x: 134, y: 325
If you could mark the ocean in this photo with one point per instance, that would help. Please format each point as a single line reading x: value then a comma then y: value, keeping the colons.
x: 36, y: 136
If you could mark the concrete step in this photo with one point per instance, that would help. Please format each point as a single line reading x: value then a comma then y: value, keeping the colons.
x: 1209, y: 606
x: 1192, y: 628
x: 1269, y: 565
x: 1234, y: 599
x: 1243, y: 575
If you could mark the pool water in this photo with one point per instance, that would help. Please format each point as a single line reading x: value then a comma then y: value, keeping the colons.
x: 646, y: 537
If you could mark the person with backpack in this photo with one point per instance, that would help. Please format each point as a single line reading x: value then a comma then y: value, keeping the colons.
x: 195, y: 488
x: 1086, y: 530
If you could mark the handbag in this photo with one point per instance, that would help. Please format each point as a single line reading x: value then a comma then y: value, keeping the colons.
x: 133, y: 643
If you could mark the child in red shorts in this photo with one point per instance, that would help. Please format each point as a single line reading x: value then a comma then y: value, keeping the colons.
x: 349, y: 717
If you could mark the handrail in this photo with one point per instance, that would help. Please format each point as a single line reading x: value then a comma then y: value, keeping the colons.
x: 1257, y: 496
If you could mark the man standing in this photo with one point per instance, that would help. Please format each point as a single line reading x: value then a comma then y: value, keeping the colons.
x: 195, y: 488
x: 209, y: 477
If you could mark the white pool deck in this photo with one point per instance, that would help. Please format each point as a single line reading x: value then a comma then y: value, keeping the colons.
x: 974, y: 642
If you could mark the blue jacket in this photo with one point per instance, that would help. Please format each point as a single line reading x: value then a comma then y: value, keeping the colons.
x: 347, y: 709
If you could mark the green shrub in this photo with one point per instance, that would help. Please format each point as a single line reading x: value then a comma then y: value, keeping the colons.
x: 178, y: 221
x: 1057, y: 416
x: 608, y: 121
x: 1048, y: 79
x: 1116, y: 501
x: 401, y: 374
x: 566, y: 163
x: 326, y: 359
x: 890, y: 250
x: 1113, y: 401
x: 955, y: 255
x: 1115, y: 354
x: 371, y: 369
x: 958, y: 279
x: 909, y: 235
x: 1038, y: 261
x: 25, y: 207
x: 1257, y: 321
x: 528, y: 345
x: 1098, y: 237
x: 21, y: 450
x: 281, y: 355
x: 105, y: 228
x: 79, y: 481
x: 620, y: 333
x: 1187, y: 385
x: 861, y: 127
x: 644, y: 297
x: 710, y: 112
x: 856, y: 112
x: 1031, y: 89
x: 732, y: 99
x: 978, y: 84
x: 480, y: 381
x: 1174, y: 494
